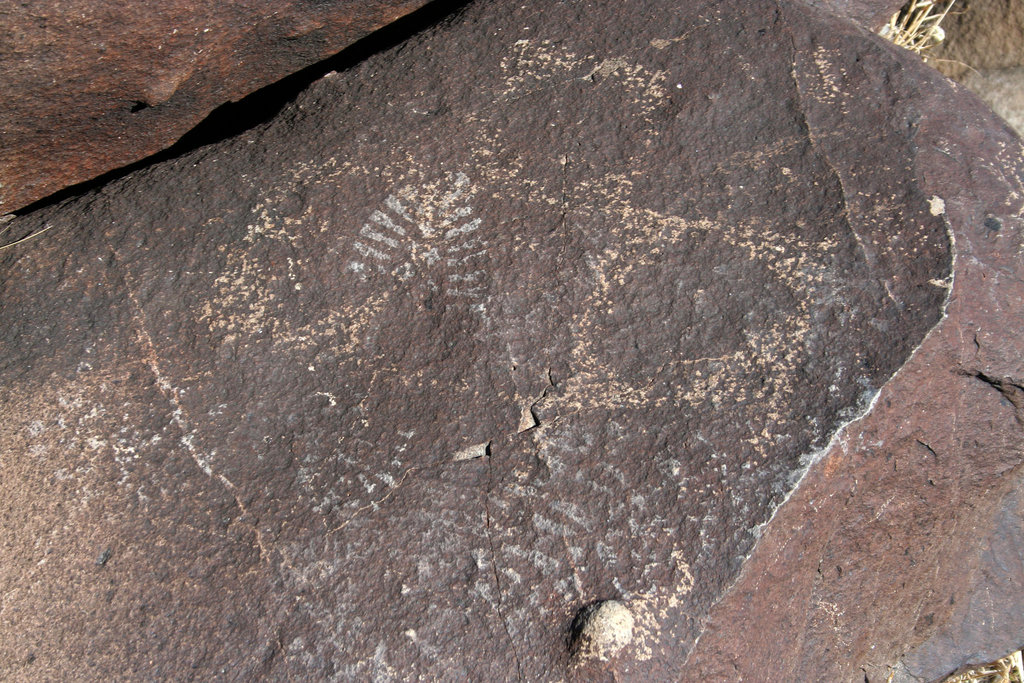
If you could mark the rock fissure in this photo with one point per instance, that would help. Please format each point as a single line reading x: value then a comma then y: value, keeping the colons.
x: 1011, y: 389
x: 928, y: 448
x: 180, y: 419
x: 494, y: 571
x: 837, y: 439
x: 261, y: 546
x: 179, y: 416
x: 813, y: 139
x: 534, y: 405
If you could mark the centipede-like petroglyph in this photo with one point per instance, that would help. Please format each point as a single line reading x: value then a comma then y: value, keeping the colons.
x: 423, y: 231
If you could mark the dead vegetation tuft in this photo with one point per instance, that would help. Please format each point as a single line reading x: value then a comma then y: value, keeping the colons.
x: 918, y: 25
x: 1009, y: 669
x: 6, y: 220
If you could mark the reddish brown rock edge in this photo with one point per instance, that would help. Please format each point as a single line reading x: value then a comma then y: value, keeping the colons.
x: 876, y: 551
x: 93, y: 85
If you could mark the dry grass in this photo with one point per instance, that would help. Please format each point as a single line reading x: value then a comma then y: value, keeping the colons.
x: 7, y: 219
x: 1009, y: 669
x: 917, y: 26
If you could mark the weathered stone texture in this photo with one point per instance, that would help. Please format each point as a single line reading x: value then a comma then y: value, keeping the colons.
x: 985, y: 624
x: 93, y: 85
x: 551, y: 305
x: 877, y: 552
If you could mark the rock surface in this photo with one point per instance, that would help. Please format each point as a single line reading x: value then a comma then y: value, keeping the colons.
x: 92, y: 85
x: 872, y: 14
x: 876, y: 563
x: 987, y: 621
x: 541, y: 309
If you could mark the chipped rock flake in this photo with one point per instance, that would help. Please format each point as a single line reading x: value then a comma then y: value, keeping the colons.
x: 472, y: 452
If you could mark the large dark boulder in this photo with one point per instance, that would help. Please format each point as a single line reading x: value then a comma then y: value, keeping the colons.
x: 558, y: 342
x: 92, y: 85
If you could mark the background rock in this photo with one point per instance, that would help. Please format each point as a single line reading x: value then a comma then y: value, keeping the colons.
x: 981, y: 35
x: 540, y: 309
x: 984, y: 50
x: 1003, y: 90
x: 92, y: 85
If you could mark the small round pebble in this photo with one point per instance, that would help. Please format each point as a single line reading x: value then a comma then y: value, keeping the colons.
x: 606, y: 629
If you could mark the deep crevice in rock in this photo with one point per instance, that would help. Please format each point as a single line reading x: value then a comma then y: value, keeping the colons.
x: 494, y: 568
x: 233, y: 118
x: 1011, y: 389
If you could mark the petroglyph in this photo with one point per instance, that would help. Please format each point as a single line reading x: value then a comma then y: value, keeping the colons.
x: 85, y: 434
x: 536, y: 66
x: 644, y: 239
x: 419, y: 230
